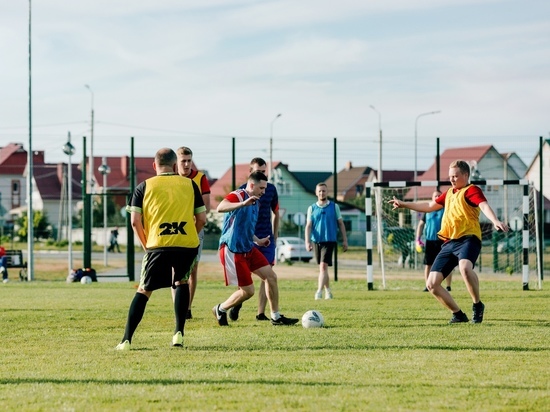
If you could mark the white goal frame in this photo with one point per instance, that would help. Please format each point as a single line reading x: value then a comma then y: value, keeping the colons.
x: 373, y: 188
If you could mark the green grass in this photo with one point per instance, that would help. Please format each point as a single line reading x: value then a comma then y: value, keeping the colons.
x: 380, y: 350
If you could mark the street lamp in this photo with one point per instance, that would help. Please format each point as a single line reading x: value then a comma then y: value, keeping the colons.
x: 379, y: 143
x: 379, y: 189
x: 416, y: 144
x: 271, y: 148
x: 69, y: 150
x: 91, y: 160
x: 104, y: 169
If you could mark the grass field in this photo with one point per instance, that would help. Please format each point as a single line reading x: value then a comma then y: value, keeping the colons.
x: 380, y: 350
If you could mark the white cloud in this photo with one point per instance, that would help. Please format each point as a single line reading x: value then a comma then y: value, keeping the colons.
x: 225, y: 68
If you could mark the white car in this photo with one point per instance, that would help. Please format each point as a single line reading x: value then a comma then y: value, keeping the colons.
x: 292, y: 248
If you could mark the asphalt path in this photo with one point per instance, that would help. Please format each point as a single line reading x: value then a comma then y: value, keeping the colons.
x: 120, y: 274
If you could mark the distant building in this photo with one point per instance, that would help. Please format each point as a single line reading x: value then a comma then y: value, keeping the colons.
x: 50, y: 188
x: 533, y: 175
x: 351, y: 180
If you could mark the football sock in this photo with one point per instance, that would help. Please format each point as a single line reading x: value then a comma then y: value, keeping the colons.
x: 135, y: 313
x: 275, y: 315
x: 181, y: 303
x: 222, y: 310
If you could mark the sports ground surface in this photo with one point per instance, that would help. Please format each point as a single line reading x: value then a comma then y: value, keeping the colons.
x: 386, y: 349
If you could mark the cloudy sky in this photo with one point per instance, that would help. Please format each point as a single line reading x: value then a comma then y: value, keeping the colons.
x: 197, y: 73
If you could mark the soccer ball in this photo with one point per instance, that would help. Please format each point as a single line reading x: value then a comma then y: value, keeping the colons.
x: 313, y: 319
x: 85, y: 280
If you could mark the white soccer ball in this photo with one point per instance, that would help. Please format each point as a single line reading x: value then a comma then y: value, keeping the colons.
x: 313, y: 319
x: 85, y: 280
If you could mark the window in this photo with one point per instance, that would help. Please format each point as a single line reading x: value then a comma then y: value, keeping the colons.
x: 284, y: 188
x: 15, y: 194
x: 347, y: 225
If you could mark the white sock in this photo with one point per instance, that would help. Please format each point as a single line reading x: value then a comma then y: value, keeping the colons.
x: 275, y: 315
x: 222, y: 310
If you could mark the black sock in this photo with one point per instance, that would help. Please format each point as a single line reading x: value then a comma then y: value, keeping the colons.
x: 181, y: 304
x: 135, y: 313
x: 478, y: 304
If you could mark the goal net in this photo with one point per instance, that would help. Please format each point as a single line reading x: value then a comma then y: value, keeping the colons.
x: 391, y: 233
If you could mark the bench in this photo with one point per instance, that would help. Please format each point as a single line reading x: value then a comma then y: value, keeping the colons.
x: 14, y: 259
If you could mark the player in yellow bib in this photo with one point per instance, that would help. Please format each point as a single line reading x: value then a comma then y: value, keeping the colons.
x: 461, y: 235
x: 166, y: 212
x: 185, y: 161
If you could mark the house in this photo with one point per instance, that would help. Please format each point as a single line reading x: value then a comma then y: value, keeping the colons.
x: 296, y: 193
x: 50, y: 193
x: 49, y: 183
x: 485, y: 163
x: 515, y: 162
x: 13, y: 190
x: 309, y: 180
x: 351, y: 180
x: 533, y: 175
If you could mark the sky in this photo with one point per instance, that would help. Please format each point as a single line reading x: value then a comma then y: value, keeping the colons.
x: 208, y: 73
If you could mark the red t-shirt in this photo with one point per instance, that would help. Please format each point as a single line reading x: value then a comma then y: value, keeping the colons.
x: 203, y: 184
x: 474, y: 196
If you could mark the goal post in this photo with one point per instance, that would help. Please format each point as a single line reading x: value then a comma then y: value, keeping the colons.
x: 392, y: 232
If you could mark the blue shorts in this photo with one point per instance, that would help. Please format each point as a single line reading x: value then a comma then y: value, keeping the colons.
x: 432, y: 249
x: 467, y: 247
x: 268, y: 251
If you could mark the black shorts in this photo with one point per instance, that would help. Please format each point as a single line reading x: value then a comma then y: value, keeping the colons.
x: 467, y: 247
x: 323, y: 252
x: 431, y: 250
x: 163, y: 268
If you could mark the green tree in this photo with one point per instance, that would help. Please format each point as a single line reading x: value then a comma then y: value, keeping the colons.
x: 41, y: 226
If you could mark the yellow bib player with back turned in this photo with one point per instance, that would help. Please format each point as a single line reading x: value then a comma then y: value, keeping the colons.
x: 166, y: 212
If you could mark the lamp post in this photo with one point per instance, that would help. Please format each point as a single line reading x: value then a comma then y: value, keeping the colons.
x: 104, y: 169
x: 379, y: 143
x: 91, y: 160
x: 416, y: 144
x: 379, y: 191
x: 69, y: 150
x: 271, y: 148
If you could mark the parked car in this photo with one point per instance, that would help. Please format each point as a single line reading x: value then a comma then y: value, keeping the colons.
x: 292, y: 248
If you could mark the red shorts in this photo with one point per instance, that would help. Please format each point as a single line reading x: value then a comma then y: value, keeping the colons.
x: 238, y: 267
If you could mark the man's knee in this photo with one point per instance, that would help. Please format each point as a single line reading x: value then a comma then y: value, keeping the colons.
x: 267, y: 274
x: 434, y: 279
x: 247, y: 292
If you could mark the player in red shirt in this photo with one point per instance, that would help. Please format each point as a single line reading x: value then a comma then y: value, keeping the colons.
x: 461, y: 234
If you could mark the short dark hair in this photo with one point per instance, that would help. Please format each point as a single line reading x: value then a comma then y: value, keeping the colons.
x: 258, y: 161
x: 166, y: 157
x: 257, y: 177
x: 184, y: 150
